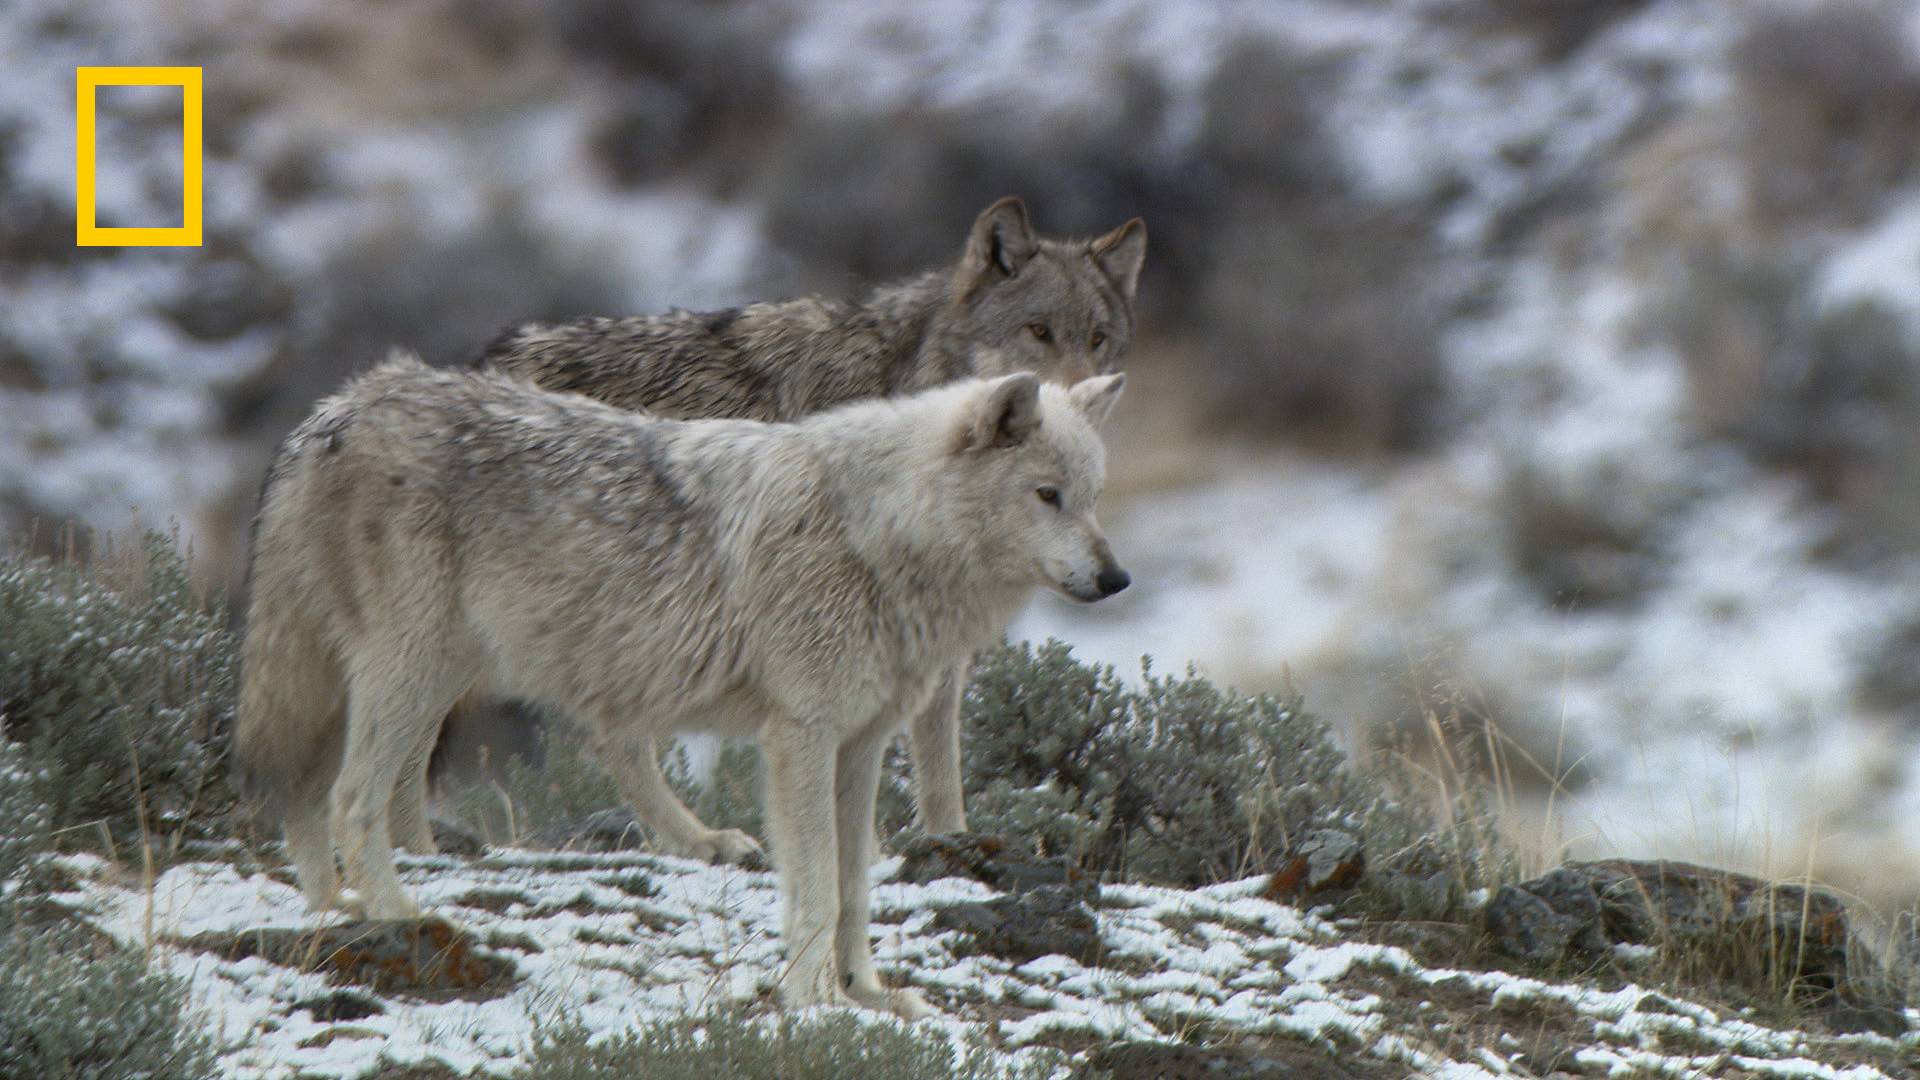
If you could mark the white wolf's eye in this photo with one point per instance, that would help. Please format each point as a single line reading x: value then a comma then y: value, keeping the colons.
x: 1049, y: 495
x: 1040, y: 331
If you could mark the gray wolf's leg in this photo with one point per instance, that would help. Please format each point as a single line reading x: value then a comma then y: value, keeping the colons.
x: 856, y: 784
x: 934, y: 744
x: 800, y: 761
x: 396, y: 696
x: 635, y: 763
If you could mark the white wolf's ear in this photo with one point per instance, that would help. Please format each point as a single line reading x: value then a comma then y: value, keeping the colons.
x: 1121, y: 253
x: 1001, y: 242
x: 1096, y: 397
x: 1006, y: 415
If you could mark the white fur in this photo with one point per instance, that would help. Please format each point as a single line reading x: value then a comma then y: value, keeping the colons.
x: 813, y: 584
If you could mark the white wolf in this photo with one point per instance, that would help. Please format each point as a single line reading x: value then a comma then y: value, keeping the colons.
x: 807, y: 582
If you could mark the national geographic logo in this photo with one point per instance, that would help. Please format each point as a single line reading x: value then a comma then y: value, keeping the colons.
x: 89, y: 80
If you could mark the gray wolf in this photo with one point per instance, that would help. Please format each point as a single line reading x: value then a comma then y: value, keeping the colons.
x: 807, y: 583
x: 1014, y: 301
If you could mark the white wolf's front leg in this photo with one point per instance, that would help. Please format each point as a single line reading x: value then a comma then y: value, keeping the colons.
x: 856, y: 785
x: 934, y: 745
x: 800, y: 762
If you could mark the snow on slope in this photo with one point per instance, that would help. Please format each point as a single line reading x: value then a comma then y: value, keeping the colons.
x: 618, y: 940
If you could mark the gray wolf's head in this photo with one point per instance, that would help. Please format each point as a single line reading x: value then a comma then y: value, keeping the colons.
x: 1032, y: 467
x: 1060, y: 308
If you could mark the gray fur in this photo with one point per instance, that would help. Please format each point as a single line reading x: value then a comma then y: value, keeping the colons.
x: 810, y: 584
x: 781, y: 361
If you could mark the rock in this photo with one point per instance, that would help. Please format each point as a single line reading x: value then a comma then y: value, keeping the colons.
x: 1325, y: 861
x: 994, y: 860
x: 1420, y: 880
x: 1273, y: 1059
x: 1526, y: 925
x: 1743, y: 925
x: 1740, y: 918
x: 430, y: 957
x: 339, y: 1005
x: 451, y: 839
x: 1043, y: 921
x: 613, y: 829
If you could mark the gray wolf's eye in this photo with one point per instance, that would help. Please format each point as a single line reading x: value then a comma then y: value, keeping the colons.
x: 1040, y: 331
x: 1099, y: 339
x: 1049, y: 495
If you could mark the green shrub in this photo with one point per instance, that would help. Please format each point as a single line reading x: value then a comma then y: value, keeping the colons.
x: 24, y: 834
x: 731, y: 795
x: 566, y: 785
x: 1179, y: 781
x: 77, y: 1008
x: 117, y: 689
x: 559, y: 789
x: 839, y: 1046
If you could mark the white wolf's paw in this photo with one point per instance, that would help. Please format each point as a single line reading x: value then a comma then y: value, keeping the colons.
x: 379, y: 908
x: 795, y: 997
x: 906, y: 1004
x: 728, y: 846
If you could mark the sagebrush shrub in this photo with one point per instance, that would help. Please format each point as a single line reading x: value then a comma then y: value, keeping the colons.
x: 117, y: 692
x: 23, y: 817
x: 1177, y: 781
x: 1180, y: 781
x: 74, y: 1007
x: 567, y: 784
x: 837, y: 1046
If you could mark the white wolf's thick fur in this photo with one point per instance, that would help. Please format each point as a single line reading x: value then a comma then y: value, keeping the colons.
x: 808, y: 583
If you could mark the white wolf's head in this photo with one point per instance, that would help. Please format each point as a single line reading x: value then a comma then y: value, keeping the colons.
x: 1031, y: 468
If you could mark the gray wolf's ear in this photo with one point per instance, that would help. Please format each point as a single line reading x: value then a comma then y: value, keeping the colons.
x: 1001, y: 242
x: 1007, y: 414
x: 1121, y: 253
x: 1096, y: 397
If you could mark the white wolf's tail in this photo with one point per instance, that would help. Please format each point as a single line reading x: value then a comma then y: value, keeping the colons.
x: 289, y: 733
x: 291, y: 722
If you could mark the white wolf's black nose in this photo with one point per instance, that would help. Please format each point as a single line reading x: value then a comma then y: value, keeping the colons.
x: 1112, y: 581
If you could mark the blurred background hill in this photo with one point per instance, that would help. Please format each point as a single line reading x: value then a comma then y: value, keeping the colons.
x: 1541, y: 374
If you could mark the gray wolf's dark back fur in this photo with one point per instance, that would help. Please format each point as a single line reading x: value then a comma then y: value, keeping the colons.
x: 1014, y: 301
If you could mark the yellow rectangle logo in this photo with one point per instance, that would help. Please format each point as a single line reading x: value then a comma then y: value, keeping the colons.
x: 90, y: 79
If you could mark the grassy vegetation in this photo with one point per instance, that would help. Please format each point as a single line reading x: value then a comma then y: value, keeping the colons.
x: 116, y: 694
x: 831, y: 1047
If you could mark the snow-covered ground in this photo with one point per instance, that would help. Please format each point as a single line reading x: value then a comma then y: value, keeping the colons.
x: 619, y: 940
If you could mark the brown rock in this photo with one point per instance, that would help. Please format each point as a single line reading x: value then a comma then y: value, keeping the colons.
x: 1325, y: 861
x: 431, y: 957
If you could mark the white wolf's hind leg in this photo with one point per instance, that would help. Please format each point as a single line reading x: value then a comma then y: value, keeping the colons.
x: 310, y: 846
x: 412, y: 823
x: 635, y: 763
x: 391, y: 701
